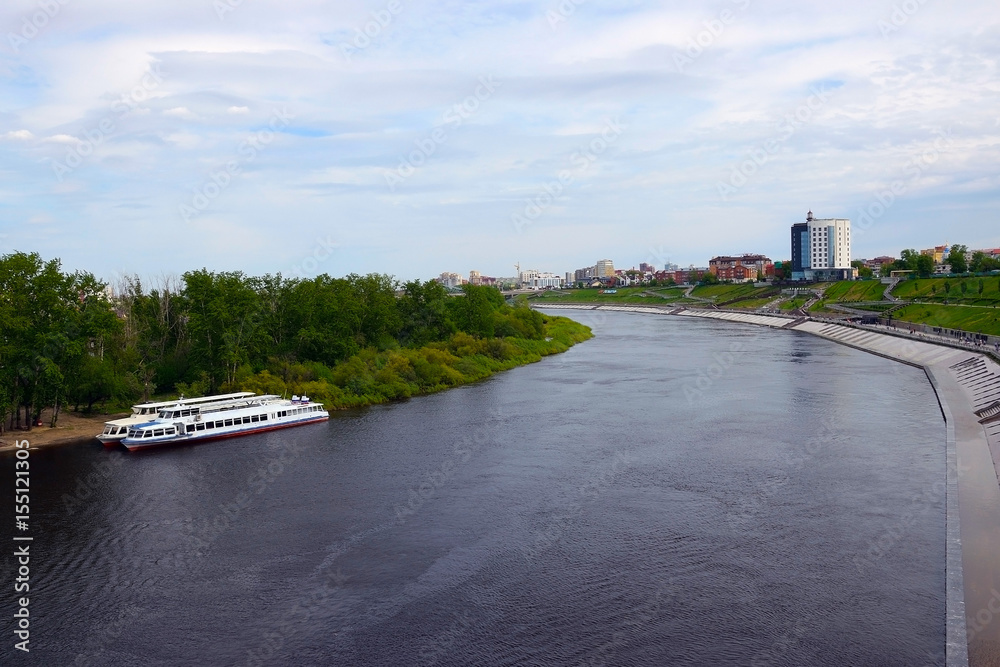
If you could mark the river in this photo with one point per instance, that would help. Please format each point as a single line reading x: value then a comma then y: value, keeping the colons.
x: 671, y: 492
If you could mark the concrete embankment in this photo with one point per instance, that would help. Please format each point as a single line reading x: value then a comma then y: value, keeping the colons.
x: 967, y: 385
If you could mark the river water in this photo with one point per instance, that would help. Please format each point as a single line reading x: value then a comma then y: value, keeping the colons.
x: 671, y: 492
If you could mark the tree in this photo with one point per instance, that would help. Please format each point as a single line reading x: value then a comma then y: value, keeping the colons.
x: 224, y: 320
x: 863, y: 271
x: 708, y: 278
x: 907, y: 260
x: 52, y: 323
x: 474, y: 313
x: 924, y: 265
x: 424, y: 313
x: 956, y: 257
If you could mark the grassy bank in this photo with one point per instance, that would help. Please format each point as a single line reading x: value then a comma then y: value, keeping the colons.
x: 848, y: 291
x: 984, y: 291
x: 373, y: 377
x: 622, y: 295
x: 967, y: 318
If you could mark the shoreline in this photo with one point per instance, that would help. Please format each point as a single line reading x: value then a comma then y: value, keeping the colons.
x: 964, y: 380
x: 72, y: 429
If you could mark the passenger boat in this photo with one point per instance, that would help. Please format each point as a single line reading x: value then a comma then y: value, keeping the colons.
x: 116, y: 430
x: 224, y: 419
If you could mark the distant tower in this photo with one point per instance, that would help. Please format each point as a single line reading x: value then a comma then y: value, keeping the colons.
x: 809, y: 216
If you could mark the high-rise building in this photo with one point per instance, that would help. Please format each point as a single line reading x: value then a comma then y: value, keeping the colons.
x: 800, y: 250
x: 821, y: 249
x: 604, y: 268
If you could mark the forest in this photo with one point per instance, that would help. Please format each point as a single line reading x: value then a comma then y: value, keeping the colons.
x: 71, y: 341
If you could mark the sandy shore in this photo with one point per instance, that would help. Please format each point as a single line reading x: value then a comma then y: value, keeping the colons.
x: 72, y: 428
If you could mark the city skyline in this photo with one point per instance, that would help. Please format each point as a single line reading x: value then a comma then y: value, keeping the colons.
x: 406, y: 138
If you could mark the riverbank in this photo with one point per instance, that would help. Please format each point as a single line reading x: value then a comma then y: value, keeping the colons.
x: 365, y: 380
x: 965, y: 382
x: 72, y: 428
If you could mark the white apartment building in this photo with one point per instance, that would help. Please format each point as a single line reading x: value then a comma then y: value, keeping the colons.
x: 829, y: 243
x: 533, y: 279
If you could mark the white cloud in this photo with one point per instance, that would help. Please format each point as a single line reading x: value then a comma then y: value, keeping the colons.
x: 18, y: 135
x: 180, y: 112
x: 62, y: 139
x: 355, y: 119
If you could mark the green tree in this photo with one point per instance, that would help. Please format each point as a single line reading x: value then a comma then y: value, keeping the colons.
x: 924, y: 265
x: 956, y: 257
x: 907, y: 260
x: 474, y: 312
x: 424, y: 313
x: 52, y: 323
x: 708, y: 278
x: 224, y: 321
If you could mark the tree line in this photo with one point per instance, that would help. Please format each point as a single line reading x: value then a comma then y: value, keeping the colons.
x: 66, y: 339
x: 923, y: 265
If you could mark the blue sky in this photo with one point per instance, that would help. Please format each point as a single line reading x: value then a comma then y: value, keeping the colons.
x: 280, y: 137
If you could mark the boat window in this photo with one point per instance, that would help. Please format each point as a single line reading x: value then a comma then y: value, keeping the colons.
x: 229, y: 422
x: 263, y: 418
x: 201, y: 427
x: 158, y: 431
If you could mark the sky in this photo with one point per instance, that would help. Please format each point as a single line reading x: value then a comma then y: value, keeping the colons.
x: 413, y: 137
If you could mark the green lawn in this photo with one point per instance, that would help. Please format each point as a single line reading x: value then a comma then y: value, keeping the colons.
x: 793, y: 303
x: 939, y: 289
x: 752, y: 304
x: 727, y: 294
x: 631, y: 295
x: 854, y: 290
x: 966, y: 318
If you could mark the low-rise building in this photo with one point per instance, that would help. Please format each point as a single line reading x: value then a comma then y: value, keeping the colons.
x: 451, y: 280
x: 742, y: 268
